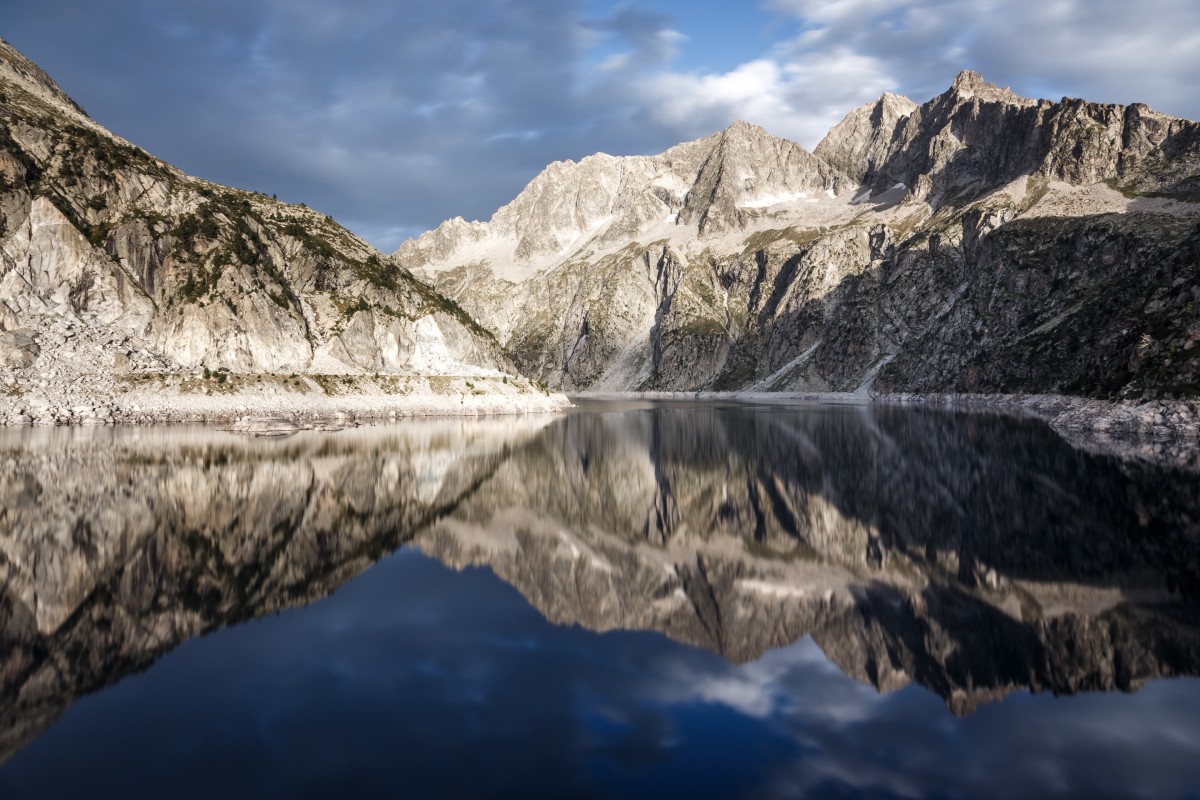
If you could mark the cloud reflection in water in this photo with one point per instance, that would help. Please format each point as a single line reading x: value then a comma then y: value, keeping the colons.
x: 421, y: 680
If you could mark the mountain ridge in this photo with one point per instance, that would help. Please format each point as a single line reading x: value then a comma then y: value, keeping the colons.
x: 977, y: 243
x: 771, y: 276
x: 127, y: 284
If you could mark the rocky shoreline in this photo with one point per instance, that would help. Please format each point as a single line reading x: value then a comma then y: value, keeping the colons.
x: 1154, y: 430
x: 313, y: 400
x: 306, y: 401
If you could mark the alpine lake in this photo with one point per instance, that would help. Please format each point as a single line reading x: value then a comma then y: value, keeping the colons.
x: 630, y: 599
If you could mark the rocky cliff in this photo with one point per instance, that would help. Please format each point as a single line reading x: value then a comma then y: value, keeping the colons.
x: 980, y: 242
x: 118, y: 271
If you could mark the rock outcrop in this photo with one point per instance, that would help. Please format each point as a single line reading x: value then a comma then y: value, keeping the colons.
x: 980, y: 242
x: 117, y: 269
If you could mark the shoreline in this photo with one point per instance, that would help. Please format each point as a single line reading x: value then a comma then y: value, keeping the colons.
x: 1165, y: 419
x: 305, y: 401
x: 1154, y: 430
x: 312, y: 400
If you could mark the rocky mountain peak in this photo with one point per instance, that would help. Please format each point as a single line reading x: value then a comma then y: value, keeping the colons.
x: 715, y: 184
x: 970, y: 85
x: 969, y: 82
x: 943, y: 246
x: 745, y: 131
x: 860, y: 141
x: 977, y: 137
x: 120, y: 274
x: 749, y: 168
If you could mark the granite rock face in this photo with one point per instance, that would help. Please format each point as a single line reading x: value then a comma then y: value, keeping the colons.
x: 115, y: 264
x: 979, y: 242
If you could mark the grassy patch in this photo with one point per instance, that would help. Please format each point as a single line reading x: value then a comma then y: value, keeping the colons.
x: 702, y: 327
x: 797, y: 236
x: 1128, y: 192
x: 313, y: 244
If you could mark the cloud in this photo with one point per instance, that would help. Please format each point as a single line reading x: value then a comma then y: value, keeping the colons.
x: 767, y: 687
x: 1103, y: 50
x: 631, y: 38
x: 388, y: 116
x: 796, y: 99
x: 395, y: 116
x: 844, y: 53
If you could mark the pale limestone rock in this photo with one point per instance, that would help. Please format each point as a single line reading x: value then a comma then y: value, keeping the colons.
x: 122, y: 271
x: 17, y: 350
x: 979, y: 242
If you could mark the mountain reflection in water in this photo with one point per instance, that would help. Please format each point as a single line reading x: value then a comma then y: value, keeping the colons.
x: 971, y: 554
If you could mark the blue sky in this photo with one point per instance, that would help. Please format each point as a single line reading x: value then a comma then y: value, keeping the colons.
x: 393, y: 116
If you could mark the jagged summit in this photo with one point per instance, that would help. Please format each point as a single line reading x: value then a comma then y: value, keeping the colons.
x: 976, y: 137
x: 969, y: 84
x: 746, y: 130
x: 860, y: 141
x: 883, y: 258
x: 711, y: 186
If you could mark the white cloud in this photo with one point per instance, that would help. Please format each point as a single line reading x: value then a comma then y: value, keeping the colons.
x: 1104, y: 50
x: 847, y: 52
x: 766, y: 687
x: 799, y: 99
x: 397, y: 116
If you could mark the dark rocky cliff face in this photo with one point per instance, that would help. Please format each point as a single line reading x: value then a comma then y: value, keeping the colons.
x: 1100, y: 306
x: 981, y: 242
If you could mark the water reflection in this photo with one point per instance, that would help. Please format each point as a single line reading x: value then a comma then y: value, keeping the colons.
x: 972, y: 555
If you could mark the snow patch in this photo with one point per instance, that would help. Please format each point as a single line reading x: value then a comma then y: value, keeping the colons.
x: 771, y: 589
x: 768, y: 200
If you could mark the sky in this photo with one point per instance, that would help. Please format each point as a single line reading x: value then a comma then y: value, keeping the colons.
x: 392, y: 116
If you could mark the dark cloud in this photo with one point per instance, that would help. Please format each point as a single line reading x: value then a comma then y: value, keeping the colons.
x: 395, y: 115
x: 391, y: 116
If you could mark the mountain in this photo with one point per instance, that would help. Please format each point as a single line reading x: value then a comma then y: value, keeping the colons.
x: 980, y: 242
x: 120, y: 274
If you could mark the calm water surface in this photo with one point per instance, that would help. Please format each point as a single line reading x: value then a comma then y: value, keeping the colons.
x: 630, y: 600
